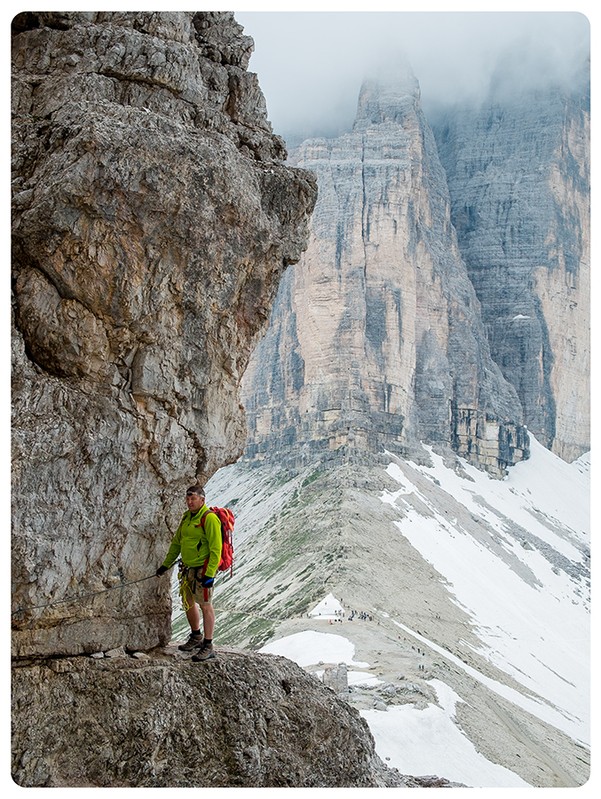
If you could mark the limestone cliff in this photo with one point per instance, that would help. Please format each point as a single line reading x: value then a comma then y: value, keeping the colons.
x: 376, y: 338
x: 153, y: 218
x: 518, y: 173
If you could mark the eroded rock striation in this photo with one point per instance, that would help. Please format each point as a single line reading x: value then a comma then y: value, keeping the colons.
x: 376, y: 339
x: 153, y: 218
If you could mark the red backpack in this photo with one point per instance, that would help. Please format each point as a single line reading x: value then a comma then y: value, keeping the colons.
x: 227, y: 519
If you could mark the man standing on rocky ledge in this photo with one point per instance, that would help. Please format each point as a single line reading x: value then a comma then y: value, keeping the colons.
x: 198, y: 541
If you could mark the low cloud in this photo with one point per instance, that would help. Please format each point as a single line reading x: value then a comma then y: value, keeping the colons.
x: 311, y: 64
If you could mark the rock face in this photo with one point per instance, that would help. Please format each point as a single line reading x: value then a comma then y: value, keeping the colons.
x: 243, y: 720
x: 153, y: 218
x: 518, y: 174
x: 376, y: 338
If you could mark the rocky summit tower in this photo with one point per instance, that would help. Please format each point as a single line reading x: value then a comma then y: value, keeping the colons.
x: 376, y: 337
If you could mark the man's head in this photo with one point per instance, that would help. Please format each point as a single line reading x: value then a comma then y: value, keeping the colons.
x: 195, y: 497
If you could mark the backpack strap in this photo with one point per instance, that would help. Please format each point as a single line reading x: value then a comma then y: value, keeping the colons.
x: 202, y: 524
x: 203, y: 517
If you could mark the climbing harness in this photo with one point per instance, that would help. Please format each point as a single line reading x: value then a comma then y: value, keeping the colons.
x: 187, y: 589
x: 81, y: 596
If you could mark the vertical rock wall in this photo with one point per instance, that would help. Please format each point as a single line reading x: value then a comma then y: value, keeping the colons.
x: 518, y: 173
x: 153, y: 218
x: 376, y: 338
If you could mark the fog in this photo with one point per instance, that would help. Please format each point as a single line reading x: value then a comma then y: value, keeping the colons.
x: 311, y: 64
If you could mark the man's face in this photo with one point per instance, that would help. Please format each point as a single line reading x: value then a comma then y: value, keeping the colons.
x: 194, y: 501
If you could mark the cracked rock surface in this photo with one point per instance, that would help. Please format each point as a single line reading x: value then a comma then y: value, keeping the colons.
x: 258, y: 720
x: 153, y: 217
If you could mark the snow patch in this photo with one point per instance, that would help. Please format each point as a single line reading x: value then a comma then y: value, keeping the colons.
x: 328, y: 608
x: 363, y: 678
x: 429, y: 742
x: 309, y: 648
x: 531, y: 615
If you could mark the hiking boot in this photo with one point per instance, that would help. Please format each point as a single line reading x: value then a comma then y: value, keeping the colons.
x: 206, y: 653
x: 193, y: 642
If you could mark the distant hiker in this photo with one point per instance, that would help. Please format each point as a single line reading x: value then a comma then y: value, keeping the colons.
x: 198, y: 541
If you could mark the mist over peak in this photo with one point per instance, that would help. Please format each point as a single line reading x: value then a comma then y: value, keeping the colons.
x: 312, y: 88
x: 386, y: 93
x: 520, y: 67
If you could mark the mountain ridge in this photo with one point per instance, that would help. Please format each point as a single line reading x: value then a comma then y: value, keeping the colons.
x: 353, y: 533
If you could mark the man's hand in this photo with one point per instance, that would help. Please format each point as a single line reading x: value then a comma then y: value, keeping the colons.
x: 207, y: 582
x: 161, y: 570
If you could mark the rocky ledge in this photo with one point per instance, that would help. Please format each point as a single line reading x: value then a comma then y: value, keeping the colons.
x: 121, y: 721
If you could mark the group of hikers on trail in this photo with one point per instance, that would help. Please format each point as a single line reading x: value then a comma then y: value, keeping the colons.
x: 200, y: 544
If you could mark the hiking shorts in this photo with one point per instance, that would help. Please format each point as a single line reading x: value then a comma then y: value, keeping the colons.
x: 190, y: 586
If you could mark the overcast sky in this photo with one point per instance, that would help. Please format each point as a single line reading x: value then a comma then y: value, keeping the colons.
x: 311, y: 65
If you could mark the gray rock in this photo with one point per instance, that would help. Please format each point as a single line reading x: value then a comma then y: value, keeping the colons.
x: 518, y: 174
x: 143, y: 725
x: 376, y: 339
x: 118, y: 652
x: 154, y: 217
x: 336, y: 678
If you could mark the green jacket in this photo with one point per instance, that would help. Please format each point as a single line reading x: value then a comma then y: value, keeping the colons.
x: 195, y: 544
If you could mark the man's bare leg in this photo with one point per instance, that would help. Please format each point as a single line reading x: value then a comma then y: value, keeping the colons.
x: 208, y: 620
x: 193, y: 615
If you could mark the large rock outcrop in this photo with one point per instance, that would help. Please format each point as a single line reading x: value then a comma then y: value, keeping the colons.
x: 243, y: 720
x: 518, y: 173
x: 376, y: 338
x: 153, y: 218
